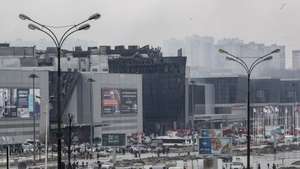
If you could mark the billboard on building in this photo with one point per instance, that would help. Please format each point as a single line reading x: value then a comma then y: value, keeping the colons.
x: 18, y: 102
x: 215, y: 146
x: 114, y: 140
x: 115, y: 100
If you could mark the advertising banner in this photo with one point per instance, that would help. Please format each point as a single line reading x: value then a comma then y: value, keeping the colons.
x: 22, y: 98
x: 205, y: 146
x: 18, y: 102
x: 114, y: 140
x: 221, y: 146
x: 215, y: 146
x: 212, y: 133
x: 118, y: 101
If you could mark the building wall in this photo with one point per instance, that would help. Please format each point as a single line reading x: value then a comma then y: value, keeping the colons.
x: 20, y: 129
x: 128, y: 123
x: 271, y: 98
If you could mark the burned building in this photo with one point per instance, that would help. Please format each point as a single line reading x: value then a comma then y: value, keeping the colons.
x: 163, y: 85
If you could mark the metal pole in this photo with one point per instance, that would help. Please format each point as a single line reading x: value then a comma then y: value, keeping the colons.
x: 91, y: 120
x: 34, y: 76
x: 46, y: 138
x: 90, y: 80
x: 7, y: 156
x: 264, y: 125
x: 193, y: 106
x: 70, y: 141
x: 59, y: 134
x: 294, y: 112
x: 248, y: 70
x: 33, y: 115
x: 248, y: 121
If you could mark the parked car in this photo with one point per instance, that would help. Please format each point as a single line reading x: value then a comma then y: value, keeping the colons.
x: 27, y: 147
x: 237, y: 165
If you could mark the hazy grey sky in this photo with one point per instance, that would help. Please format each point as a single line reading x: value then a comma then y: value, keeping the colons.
x: 151, y: 21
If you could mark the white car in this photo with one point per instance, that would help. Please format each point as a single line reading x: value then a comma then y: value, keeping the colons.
x: 237, y: 165
x: 27, y: 147
x: 106, y: 165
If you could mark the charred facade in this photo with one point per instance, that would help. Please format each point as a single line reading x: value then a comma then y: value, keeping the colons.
x: 163, y: 85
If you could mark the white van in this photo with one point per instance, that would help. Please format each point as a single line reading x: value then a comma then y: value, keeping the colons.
x: 158, y: 167
x: 237, y: 165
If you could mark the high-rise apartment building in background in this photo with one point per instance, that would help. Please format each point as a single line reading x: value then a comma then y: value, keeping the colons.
x: 296, y: 59
x: 203, y: 58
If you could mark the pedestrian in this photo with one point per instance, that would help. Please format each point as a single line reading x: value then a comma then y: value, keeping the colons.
x: 274, y: 166
x: 135, y: 153
x: 99, y: 164
x: 74, y: 157
x: 258, y: 166
x: 268, y: 165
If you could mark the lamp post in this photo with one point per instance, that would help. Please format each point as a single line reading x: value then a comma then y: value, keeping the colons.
x: 248, y: 70
x: 70, y: 119
x: 91, y: 81
x: 294, y: 109
x: 58, y: 43
x: 193, y: 113
x: 33, y: 77
x: 193, y: 106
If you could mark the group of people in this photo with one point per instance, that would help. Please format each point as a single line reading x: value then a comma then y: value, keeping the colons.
x: 268, y: 166
x: 76, y: 165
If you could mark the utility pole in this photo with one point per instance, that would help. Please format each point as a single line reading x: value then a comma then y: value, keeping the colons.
x: 33, y: 77
x: 7, y: 156
x: 70, y: 118
x: 91, y: 81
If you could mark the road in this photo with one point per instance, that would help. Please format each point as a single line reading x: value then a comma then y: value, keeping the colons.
x: 282, y: 158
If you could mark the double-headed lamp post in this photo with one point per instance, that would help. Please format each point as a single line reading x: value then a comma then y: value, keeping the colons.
x: 248, y: 70
x: 58, y: 43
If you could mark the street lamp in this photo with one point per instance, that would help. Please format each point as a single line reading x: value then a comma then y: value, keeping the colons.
x: 193, y: 106
x: 294, y: 109
x: 70, y: 118
x: 248, y: 70
x: 91, y: 81
x: 33, y: 77
x: 58, y: 43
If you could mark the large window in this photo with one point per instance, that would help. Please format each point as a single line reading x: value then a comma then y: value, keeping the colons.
x: 18, y: 102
